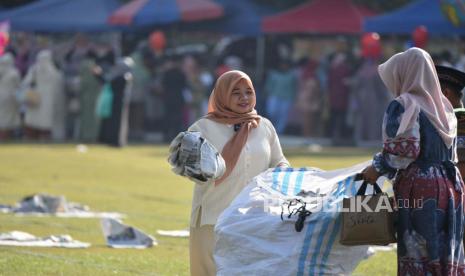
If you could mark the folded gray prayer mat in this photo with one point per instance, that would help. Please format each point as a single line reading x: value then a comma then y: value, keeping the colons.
x: 193, y: 156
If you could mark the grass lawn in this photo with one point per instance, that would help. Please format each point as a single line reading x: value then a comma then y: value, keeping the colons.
x: 135, y: 181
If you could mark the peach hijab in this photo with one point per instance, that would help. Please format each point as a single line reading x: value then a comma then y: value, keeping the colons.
x: 219, y: 111
x: 412, y: 78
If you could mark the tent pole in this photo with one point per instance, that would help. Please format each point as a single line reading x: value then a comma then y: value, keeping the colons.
x: 117, y: 42
x: 260, y: 58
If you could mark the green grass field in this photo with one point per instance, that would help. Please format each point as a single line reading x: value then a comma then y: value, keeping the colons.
x: 135, y: 181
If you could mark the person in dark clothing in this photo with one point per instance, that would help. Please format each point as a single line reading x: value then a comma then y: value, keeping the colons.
x: 174, y: 85
x: 338, y: 75
x: 114, y: 128
x: 452, y: 82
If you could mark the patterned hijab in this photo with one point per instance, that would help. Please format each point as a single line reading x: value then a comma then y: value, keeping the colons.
x: 412, y: 78
x: 219, y: 111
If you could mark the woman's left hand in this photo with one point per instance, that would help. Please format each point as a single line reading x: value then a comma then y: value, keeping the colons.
x: 370, y: 174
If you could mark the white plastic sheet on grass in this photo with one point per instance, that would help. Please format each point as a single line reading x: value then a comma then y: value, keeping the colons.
x: 18, y: 238
x: 174, y: 233
x: 42, y: 205
x: 253, y: 240
x: 119, y: 235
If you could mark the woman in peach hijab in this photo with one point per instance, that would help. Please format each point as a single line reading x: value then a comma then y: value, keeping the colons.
x: 419, y: 133
x: 249, y: 146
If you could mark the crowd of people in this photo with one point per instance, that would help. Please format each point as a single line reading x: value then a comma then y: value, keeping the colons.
x: 53, y: 93
x: 47, y: 99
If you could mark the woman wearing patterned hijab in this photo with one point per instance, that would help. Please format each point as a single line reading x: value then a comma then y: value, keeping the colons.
x: 419, y: 133
x: 249, y: 146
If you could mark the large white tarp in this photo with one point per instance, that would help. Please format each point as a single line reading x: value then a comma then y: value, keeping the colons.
x: 253, y: 240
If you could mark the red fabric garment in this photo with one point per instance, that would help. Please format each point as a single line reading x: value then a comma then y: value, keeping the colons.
x: 309, y: 70
x: 337, y: 86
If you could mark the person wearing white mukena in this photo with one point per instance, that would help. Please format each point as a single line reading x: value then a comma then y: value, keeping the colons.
x: 248, y: 143
x: 47, y: 115
x: 9, y: 84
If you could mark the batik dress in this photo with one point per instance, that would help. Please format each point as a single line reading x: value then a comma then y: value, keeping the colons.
x: 429, y: 194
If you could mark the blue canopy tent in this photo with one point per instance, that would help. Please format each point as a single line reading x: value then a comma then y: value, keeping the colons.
x: 243, y: 18
x: 240, y: 17
x: 405, y: 20
x: 62, y: 16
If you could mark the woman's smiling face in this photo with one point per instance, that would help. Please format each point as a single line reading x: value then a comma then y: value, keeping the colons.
x: 242, y: 97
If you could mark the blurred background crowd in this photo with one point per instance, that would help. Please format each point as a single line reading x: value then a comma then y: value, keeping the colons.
x: 104, y: 73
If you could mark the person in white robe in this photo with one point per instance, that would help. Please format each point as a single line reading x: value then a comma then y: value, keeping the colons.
x: 9, y: 109
x: 45, y: 118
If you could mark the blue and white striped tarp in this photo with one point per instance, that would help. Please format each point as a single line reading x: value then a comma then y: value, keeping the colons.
x: 253, y: 240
